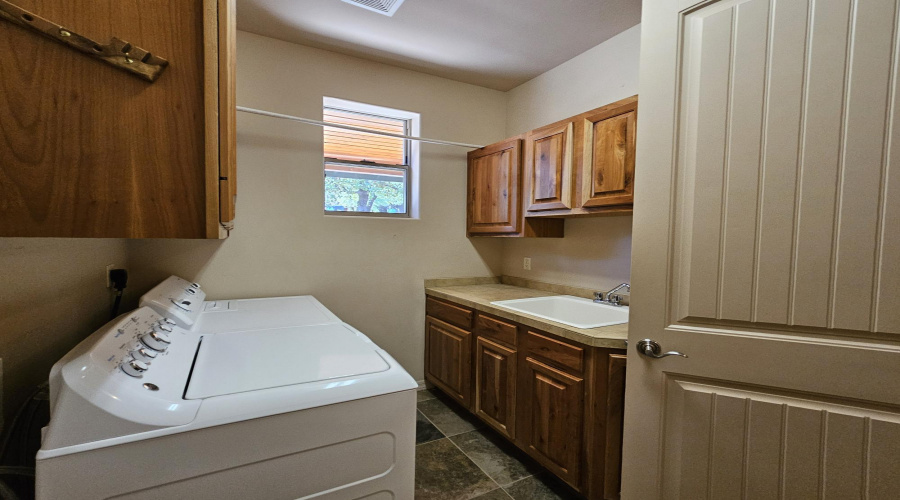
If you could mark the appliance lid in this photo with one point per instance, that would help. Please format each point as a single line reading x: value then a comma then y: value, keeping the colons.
x: 256, y: 314
x: 235, y: 362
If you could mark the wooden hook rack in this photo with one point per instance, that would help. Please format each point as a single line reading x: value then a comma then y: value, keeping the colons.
x: 118, y: 53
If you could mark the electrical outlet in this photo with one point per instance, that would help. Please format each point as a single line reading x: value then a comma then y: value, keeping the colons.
x: 526, y: 264
x: 109, y: 268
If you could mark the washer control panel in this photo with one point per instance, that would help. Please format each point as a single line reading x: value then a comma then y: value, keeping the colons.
x: 177, y: 299
x: 140, y: 339
x: 136, y: 367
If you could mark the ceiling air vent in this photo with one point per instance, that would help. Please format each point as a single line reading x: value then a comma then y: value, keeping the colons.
x: 386, y: 7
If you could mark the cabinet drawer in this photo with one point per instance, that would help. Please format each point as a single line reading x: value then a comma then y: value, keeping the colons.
x: 555, y: 352
x: 496, y: 329
x: 451, y: 313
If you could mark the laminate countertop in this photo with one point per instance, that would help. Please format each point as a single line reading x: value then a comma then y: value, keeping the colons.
x: 480, y: 296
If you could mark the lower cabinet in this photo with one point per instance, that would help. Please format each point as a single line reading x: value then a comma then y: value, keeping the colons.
x: 558, y: 400
x: 554, y: 419
x: 449, y: 359
x: 495, y: 386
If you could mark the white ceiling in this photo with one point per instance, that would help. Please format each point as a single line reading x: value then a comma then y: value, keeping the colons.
x: 492, y: 43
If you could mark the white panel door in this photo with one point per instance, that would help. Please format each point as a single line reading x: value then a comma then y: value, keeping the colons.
x: 767, y: 249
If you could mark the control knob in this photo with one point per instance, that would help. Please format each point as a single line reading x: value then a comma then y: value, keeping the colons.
x: 134, y: 367
x: 195, y: 285
x: 143, y: 354
x: 157, y: 341
x: 182, y: 304
x: 166, y: 321
x: 163, y: 327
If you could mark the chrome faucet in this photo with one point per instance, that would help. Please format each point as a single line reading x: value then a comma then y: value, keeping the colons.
x: 611, y: 296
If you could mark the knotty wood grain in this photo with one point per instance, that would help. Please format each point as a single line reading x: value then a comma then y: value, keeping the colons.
x: 495, y: 386
x: 494, y: 185
x: 448, y: 359
x: 548, y: 167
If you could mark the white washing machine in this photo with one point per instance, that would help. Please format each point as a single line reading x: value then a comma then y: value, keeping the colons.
x: 185, y: 303
x: 196, y: 400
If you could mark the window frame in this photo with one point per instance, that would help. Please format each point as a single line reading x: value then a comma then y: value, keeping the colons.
x: 411, y: 155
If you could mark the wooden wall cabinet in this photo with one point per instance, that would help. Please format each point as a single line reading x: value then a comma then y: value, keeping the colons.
x: 578, y: 167
x: 559, y: 401
x: 494, y: 184
x: 92, y: 151
x: 549, y: 167
x: 599, y: 178
x: 607, y: 163
x: 494, y: 204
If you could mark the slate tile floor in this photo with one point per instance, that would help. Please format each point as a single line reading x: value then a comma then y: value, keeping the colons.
x: 457, y: 458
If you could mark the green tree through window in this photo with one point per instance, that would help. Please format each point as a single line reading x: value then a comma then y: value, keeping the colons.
x: 367, y: 173
x: 364, y: 195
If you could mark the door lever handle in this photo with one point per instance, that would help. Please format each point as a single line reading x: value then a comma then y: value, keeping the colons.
x: 652, y: 349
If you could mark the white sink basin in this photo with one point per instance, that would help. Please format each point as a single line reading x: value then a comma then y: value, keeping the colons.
x: 568, y: 310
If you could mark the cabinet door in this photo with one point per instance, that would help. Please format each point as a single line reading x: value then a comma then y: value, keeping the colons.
x: 553, y: 419
x: 548, y: 167
x: 615, y: 419
x: 494, y: 184
x: 227, y: 112
x: 448, y: 352
x: 495, y: 385
x: 90, y: 150
x: 607, y: 168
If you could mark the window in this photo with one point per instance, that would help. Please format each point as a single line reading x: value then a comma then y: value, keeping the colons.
x: 368, y: 174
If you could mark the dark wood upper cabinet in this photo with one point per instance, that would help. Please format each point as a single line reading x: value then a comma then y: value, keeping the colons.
x: 92, y: 151
x: 494, y: 185
x: 548, y: 167
x: 578, y: 167
x: 494, y: 205
x: 607, y: 170
x: 599, y: 178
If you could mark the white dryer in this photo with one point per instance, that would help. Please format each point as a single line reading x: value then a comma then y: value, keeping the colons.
x: 172, y: 402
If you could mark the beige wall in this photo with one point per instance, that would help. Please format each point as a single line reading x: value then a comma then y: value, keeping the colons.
x: 369, y: 271
x: 595, y: 253
x: 603, y: 74
x: 52, y: 294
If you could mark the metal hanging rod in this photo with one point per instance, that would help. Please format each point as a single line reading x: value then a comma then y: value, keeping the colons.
x: 357, y: 129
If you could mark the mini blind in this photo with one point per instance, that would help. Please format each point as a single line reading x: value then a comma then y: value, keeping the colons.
x: 349, y: 145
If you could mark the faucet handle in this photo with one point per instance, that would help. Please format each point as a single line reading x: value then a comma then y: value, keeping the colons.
x: 598, y: 296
